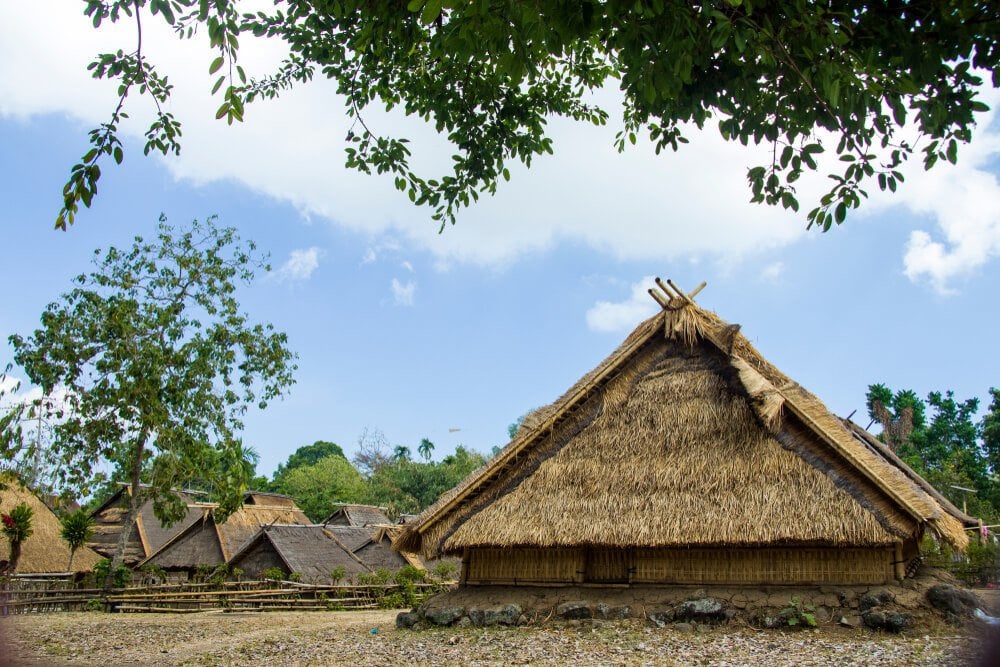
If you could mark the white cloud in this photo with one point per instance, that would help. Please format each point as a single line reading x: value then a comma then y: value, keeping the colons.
x: 402, y: 295
x: 633, y: 206
x: 773, y: 271
x: 407, y: 265
x: 300, y: 265
x: 608, y: 317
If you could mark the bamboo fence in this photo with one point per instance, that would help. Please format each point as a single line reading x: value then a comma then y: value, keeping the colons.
x: 242, y: 596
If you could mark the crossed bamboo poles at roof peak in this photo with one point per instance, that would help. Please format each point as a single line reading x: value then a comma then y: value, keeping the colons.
x: 671, y: 297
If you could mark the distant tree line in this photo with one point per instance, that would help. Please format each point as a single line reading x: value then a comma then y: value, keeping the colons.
x: 940, y: 438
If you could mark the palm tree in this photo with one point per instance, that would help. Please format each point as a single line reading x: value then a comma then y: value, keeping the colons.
x: 77, y: 529
x: 425, y: 448
x: 17, y: 528
x: 401, y: 453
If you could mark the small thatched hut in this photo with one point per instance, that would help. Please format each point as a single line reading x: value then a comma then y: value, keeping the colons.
x: 686, y: 457
x: 44, y: 552
x: 313, y: 552
x: 207, y: 542
x: 148, y: 534
x: 373, y: 545
x: 357, y: 515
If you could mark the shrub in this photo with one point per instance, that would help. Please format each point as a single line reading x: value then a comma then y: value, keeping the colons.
x: 122, y: 574
x: 273, y: 574
x: 797, y: 614
x: 444, y: 571
x: 337, y: 574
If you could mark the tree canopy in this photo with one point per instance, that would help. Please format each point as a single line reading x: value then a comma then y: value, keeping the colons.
x: 798, y: 76
x: 157, y: 366
x: 941, y: 439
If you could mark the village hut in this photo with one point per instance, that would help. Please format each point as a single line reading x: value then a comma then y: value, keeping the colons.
x: 208, y: 542
x: 148, y: 533
x: 44, y: 552
x: 357, y: 515
x: 313, y: 552
x: 686, y: 457
x: 373, y: 546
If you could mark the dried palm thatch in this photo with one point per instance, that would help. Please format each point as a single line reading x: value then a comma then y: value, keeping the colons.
x: 44, y: 551
x: 311, y: 551
x: 209, y: 542
x: 685, y: 439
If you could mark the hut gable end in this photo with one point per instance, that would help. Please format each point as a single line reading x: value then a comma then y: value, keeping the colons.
x: 685, y: 438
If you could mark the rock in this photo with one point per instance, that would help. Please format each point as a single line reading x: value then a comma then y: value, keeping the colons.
x: 443, y: 616
x: 522, y: 620
x: 703, y: 628
x: 875, y: 598
x: 464, y: 622
x: 406, y: 619
x: 874, y: 619
x: 574, y: 609
x: 898, y: 622
x: 739, y: 601
x: 954, y: 602
x: 478, y: 617
x: 703, y: 609
x: 660, y: 619
x: 851, y: 621
x: 454, y: 640
x: 505, y: 615
x: 608, y: 612
x: 684, y: 627
x: 822, y: 614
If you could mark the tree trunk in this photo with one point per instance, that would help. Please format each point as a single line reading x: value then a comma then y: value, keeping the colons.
x: 72, y: 552
x: 135, y: 502
x: 15, y: 555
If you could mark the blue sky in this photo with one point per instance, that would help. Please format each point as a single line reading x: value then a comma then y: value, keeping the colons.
x: 414, y: 333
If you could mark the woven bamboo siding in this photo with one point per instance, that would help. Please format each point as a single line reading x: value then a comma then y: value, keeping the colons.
x: 609, y: 566
x: 525, y: 565
x: 764, y: 566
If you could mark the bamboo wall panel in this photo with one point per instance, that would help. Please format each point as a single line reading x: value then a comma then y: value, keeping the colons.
x: 764, y: 566
x: 608, y: 565
x: 527, y: 565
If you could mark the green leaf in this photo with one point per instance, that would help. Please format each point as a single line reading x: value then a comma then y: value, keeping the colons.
x: 216, y: 65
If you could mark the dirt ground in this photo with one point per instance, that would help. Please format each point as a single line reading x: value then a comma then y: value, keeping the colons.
x: 370, y: 638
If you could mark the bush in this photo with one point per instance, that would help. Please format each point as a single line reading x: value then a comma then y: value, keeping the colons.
x: 273, y: 574
x: 410, y: 574
x: 122, y: 575
x: 337, y: 574
x: 444, y: 571
x: 797, y: 614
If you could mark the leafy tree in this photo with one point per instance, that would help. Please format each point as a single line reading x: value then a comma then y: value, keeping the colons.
x: 411, y: 486
x: 940, y: 439
x: 304, y: 456
x: 426, y: 448
x: 318, y: 486
x: 17, y: 528
x: 401, y: 454
x: 990, y: 430
x: 77, y: 529
x: 158, y: 365
x: 796, y: 76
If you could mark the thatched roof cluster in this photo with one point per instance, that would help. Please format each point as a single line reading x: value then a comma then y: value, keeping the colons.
x: 149, y: 534
x: 208, y: 541
x: 685, y: 436
x: 357, y: 515
x: 311, y: 551
x: 44, y: 551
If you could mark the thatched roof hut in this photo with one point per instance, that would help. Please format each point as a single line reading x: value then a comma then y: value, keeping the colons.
x: 311, y: 551
x: 44, y: 551
x: 208, y: 542
x: 348, y: 514
x: 373, y: 545
x: 686, y: 457
x: 148, y: 534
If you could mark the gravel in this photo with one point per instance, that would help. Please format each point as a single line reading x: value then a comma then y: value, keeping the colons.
x: 369, y: 638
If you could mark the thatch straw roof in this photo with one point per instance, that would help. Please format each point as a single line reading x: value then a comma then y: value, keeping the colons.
x: 684, y: 436
x: 311, y: 551
x: 357, y: 515
x: 44, y: 551
x: 209, y: 542
x: 149, y: 533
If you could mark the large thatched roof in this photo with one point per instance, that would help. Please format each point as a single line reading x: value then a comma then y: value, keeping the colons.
x: 44, y: 551
x: 211, y: 542
x: 685, y: 436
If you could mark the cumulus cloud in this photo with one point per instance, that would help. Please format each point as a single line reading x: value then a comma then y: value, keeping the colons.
x: 631, y: 206
x: 402, y: 294
x: 300, y: 265
x: 611, y: 317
